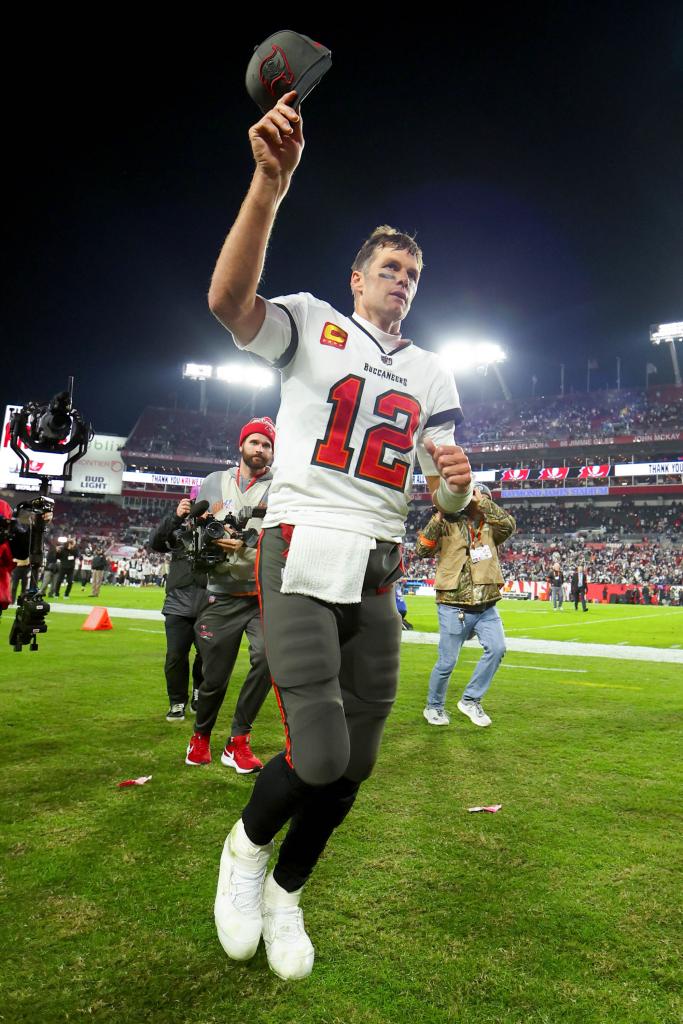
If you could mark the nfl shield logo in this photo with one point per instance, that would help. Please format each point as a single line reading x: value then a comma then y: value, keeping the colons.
x: 386, y: 360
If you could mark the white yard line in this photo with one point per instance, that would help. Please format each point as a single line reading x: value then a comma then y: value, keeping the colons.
x: 543, y: 668
x: 564, y: 647
x: 114, y: 613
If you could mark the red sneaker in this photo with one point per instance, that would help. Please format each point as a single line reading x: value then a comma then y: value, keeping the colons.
x: 238, y: 755
x: 198, y: 750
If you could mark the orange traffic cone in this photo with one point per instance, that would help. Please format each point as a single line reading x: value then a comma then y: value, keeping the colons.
x: 98, y: 619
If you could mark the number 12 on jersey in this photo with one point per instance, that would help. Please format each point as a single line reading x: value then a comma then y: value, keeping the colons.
x: 334, y: 451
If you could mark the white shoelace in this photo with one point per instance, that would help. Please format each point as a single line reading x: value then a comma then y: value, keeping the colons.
x: 288, y: 923
x: 245, y: 891
x: 177, y: 707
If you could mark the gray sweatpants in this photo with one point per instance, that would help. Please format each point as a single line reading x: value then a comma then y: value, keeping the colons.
x: 219, y: 628
x: 335, y: 667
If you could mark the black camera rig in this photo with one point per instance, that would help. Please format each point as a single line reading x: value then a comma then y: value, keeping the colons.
x: 53, y: 427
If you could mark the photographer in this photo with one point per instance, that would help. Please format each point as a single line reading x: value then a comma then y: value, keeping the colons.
x: 185, y: 594
x: 231, y: 608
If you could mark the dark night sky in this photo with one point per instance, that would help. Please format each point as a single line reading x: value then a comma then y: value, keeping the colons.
x: 538, y: 154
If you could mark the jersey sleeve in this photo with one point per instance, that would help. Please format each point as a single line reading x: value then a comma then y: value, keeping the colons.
x: 278, y: 340
x: 444, y: 415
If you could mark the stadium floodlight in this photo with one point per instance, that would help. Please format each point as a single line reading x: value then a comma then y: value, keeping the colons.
x: 666, y: 332
x: 669, y: 334
x: 246, y: 374
x: 462, y: 354
x: 197, y: 371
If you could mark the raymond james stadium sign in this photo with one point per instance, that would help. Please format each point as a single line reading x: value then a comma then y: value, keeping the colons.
x: 555, y: 492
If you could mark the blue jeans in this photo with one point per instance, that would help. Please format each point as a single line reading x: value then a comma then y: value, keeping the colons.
x: 488, y: 629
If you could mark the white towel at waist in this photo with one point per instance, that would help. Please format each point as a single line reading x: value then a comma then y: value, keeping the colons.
x: 327, y: 564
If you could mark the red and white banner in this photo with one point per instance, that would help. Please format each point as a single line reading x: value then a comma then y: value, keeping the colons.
x: 509, y: 475
x: 591, y: 472
x: 554, y: 473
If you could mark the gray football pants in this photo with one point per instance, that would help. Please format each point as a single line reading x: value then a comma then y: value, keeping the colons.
x: 219, y: 628
x: 334, y: 667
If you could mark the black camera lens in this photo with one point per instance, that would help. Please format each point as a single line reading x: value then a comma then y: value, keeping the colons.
x: 215, y: 530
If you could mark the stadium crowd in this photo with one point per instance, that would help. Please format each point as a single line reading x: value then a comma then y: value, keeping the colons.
x: 594, y: 414
x: 189, y: 433
x: 185, y: 433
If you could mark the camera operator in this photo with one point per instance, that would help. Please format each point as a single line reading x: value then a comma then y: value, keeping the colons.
x: 185, y: 594
x: 231, y: 608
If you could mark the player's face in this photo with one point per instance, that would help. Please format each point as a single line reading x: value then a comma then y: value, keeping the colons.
x: 386, y: 289
x: 257, y: 452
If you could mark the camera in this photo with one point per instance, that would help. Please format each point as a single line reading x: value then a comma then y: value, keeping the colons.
x: 199, y: 533
x: 50, y: 427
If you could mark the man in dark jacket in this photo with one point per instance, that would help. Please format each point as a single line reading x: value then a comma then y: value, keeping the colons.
x: 99, y: 567
x: 66, y: 556
x: 578, y: 587
x: 185, y: 594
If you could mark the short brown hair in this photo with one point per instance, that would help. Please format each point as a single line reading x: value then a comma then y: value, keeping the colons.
x: 385, y: 235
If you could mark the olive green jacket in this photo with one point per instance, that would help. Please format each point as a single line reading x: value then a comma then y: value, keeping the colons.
x: 459, y: 580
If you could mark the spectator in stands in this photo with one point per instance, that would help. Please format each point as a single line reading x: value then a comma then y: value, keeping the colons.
x: 231, y: 608
x: 468, y: 581
x: 556, y: 581
x: 579, y: 586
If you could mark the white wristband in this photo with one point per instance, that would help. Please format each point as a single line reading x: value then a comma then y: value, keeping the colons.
x: 450, y: 502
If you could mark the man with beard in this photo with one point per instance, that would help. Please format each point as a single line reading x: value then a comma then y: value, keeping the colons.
x: 231, y: 607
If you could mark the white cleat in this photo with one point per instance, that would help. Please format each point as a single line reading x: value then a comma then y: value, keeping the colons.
x: 436, y: 717
x: 237, y: 909
x: 474, y: 711
x: 289, y: 950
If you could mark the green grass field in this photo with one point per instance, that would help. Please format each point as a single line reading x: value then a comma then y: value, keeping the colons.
x: 563, y: 907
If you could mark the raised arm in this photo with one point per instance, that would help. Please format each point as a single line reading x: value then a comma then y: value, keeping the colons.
x: 276, y: 143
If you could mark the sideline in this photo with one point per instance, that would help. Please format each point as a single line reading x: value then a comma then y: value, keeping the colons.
x: 559, y: 647
x: 566, y: 648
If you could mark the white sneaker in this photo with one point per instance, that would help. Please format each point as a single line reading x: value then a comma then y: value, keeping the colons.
x: 474, y: 711
x: 237, y: 909
x: 436, y: 717
x: 289, y: 950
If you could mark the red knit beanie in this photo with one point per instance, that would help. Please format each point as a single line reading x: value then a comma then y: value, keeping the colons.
x: 260, y: 425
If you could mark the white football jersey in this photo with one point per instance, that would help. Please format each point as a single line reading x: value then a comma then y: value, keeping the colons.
x: 356, y: 404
